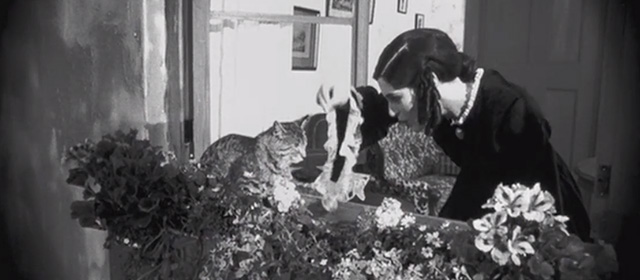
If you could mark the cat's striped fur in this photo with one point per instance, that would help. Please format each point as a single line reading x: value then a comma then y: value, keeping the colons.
x: 257, y: 162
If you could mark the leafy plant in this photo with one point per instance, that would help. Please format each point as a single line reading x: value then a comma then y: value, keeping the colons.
x: 143, y: 199
x: 180, y: 224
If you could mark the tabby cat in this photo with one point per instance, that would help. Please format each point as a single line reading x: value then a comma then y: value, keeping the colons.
x: 257, y: 162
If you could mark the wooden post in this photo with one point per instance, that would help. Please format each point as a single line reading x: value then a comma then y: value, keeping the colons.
x: 175, y: 91
x: 200, y: 77
x: 360, y: 45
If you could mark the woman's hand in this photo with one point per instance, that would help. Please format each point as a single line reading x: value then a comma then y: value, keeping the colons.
x: 331, y: 98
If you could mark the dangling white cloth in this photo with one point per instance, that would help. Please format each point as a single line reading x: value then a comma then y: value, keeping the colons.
x: 349, y: 184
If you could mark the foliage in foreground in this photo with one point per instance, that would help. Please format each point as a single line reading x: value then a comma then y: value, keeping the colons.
x: 180, y: 224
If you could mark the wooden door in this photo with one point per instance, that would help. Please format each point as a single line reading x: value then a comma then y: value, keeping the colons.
x: 618, y: 135
x: 553, y: 49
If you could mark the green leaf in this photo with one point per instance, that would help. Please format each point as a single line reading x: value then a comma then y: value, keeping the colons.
x: 605, y: 258
x: 117, y: 159
x: 147, y: 204
x: 143, y: 222
x: 576, y: 269
x: 77, y: 177
x: 285, y: 276
x: 479, y: 276
x: 538, y: 266
x: 200, y: 178
x: 81, y: 209
x: 241, y: 256
x: 183, y: 242
x: 267, y: 249
x: 104, y: 148
x: 171, y: 171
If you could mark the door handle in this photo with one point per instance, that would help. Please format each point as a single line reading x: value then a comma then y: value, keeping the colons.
x: 603, y: 179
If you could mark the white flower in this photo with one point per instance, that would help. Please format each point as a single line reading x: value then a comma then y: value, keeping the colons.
x: 540, y: 204
x: 519, y: 245
x: 285, y: 195
x: 500, y: 256
x: 413, y: 272
x: 345, y: 269
x: 389, y: 213
x: 353, y: 253
x: 514, y: 199
x: 491, y: 227
x: 407, y: 220
x: 323, y: 262
x: 558, y: 221
x: 126, y: 241
x: 385, y: 264
x: 445, y: 225
x: 427, y: 252
x: 434, y: 239
x: 492, y: 224
x: 422, y: 228
x: 461, y: 272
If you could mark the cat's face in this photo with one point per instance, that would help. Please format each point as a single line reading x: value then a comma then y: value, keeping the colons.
x: 288, y: 141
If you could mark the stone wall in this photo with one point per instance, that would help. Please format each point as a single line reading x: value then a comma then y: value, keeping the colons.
x: 71, y: 69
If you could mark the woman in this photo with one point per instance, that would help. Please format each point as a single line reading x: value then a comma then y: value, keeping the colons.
x: 492, y: 129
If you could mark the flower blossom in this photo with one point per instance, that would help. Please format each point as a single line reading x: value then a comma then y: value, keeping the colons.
x: 557, y: 221
x: 413, y: 272
x: 389, y: 213
x: 346, y: 269
x: 407, y: 220
x: 385, y: 263
x: 519, y: 245
x: 540, y: 204
x: 512, y: 199
x: 434, y: 239
x: 491, y: 226
x: 285, y: 195
x: 427, y: 252
x: 461, y: 272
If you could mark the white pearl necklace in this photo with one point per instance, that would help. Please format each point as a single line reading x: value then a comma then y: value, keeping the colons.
x: 472, y: 89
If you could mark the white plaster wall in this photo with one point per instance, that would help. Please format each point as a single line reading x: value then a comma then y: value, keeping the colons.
x: 252, y: 83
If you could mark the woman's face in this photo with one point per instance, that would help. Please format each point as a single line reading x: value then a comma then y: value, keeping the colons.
x: 401, y: 104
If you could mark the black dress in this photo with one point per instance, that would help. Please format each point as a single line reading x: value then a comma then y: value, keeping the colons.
x: 505, y: 140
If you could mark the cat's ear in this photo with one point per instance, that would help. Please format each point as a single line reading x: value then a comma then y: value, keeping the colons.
x: 302, y: 122
x: 278, y: 128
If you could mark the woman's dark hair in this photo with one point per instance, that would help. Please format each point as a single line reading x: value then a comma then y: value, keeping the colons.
x: 411, y: 58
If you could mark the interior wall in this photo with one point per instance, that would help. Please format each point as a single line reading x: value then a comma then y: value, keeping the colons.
x: 72, y: 69
x: 252, y: 82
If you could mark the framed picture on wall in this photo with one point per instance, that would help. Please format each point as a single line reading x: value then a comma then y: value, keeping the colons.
x: 340, y: 8
x: 304, y: 50
x: 419, y: 20
x: 372, y: 10
x: 402, y: 6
